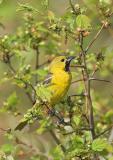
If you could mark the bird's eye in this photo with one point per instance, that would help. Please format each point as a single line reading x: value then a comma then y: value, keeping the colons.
x: 62, y: 60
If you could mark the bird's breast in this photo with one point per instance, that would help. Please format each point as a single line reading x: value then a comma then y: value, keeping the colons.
x: 60, y: 85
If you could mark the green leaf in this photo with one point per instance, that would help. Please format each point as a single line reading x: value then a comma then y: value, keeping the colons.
x: 57, y: 153
x: 44, y: 125
x: 99, y: 144
x: 109, y: 116
x: 76, y: 120
x: 105, y: 2
x: 41, y: 72
x: 51, y: 16
x: 26, y: 7
x: 83, y: 22
x: 43, y: 92
x: 70, y: 19
x: 7, y: 148
x: 11, y: 102
x: 45, y: 3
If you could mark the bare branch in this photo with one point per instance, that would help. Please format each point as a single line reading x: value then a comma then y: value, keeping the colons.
x: 105, y: 131
x: 79, y: 80
x: 87, y: 88
x: 32, y: 148
x: 94, y: 39
x: 102, y: 80
x: 57, y: 140
x: 81, y: 129
x: 72, y: 6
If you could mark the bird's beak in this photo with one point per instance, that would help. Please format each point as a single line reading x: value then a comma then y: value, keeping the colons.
x: 68, y: 60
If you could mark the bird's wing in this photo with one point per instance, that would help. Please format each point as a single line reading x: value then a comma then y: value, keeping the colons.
x: 48, y: 79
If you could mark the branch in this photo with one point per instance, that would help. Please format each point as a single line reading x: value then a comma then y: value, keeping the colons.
x: 92, y: 79
x: 5, y: 130
x: 26, y: 87
x: 78, y: 95
x: 37, y: 62
x: 35, y: 150
x: 78, y: 66
x: 102, y: 80
x: 26, y: 84
x: 79, y: 80
x: 95, y: 38
x: 87, y: 88
x: 81, y: 129
x: 46, y: 62
x: 106, y: 130
x: 72, y: 6
x: 57, y: 140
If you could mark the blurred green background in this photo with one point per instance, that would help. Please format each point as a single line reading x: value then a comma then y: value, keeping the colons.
x: 11, y: 19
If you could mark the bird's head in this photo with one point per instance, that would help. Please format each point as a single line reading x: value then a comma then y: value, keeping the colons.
x: 62, y: 63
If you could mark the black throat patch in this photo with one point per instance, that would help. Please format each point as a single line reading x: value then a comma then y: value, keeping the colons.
x: 67, y: 66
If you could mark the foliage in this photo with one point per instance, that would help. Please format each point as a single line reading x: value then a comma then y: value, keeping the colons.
x: 81, y: 124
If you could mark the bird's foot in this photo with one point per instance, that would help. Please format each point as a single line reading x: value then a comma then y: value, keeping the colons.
x: 52, y: 112
x: 61, y: 120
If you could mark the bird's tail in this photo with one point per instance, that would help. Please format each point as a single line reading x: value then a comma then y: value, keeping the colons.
x: 32, y: 114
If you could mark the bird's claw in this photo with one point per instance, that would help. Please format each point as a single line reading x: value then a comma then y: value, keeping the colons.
x: 52, y: 112
x: 61, y: 121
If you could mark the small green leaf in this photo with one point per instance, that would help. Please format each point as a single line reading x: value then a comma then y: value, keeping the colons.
x: 41, y: 72
x: 26, y: 7
x: 57, y: 153
x: 51, y: 16
x: 76, y: 120
x: 83, y: 21
x: 11, y: 102
x: 44, y: 125
x: 45, y: 3
x: 109, y: 116
x: 105, y: 2
x: 70, y: 19
x: 99, y: 145
x: 43, y: 92
x: 7, y: 148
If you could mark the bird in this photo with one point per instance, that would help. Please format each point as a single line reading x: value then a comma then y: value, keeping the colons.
x: 57, y: 83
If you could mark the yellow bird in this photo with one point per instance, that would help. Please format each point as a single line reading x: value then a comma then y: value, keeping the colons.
x: 58, y: 82
x: 60, y: 79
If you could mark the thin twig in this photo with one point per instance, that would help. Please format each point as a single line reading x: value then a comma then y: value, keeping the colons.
x: 37, y: 62
x: 87, y: 88
x: 57, y: 140
x: 5, y: 130
x: 81, y: 129
x: 105, y: 131
x: 33, y: 149
x: 78, y: 95
x: 94, y: 39
x: 46, y: 62
x: 102, y: 80
x: 26, y: 84
x: 77, y: 66
x: 92, y: 79
x: 72, y: 6
x: 79, y: 80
